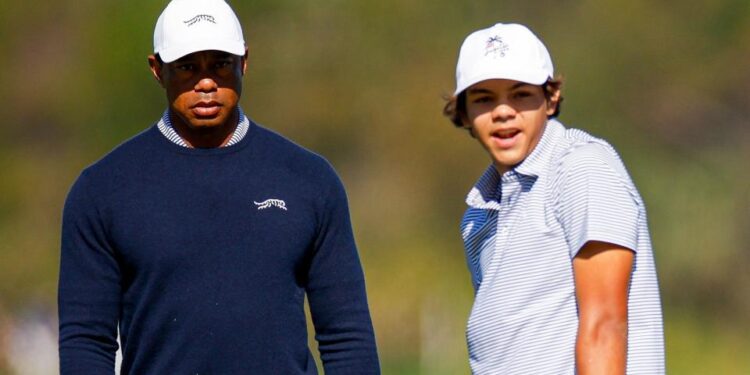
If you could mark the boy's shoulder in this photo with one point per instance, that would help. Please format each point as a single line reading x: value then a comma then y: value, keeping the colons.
x: 582, y: 159
x: 577, y: 151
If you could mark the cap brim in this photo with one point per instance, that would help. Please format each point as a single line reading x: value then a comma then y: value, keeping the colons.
x: 169, y: 55
x: 537, y: 77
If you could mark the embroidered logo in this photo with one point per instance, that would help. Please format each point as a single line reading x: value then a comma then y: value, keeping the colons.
x: 271, y: 203
x: 199, y: 18
x: 495, y: 47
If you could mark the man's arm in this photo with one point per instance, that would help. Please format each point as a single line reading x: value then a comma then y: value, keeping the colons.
x: 336, y: 293
x: 602, y: 275
x: 88, y: 290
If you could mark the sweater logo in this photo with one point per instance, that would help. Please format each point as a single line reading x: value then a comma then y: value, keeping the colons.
x: 271, y: 203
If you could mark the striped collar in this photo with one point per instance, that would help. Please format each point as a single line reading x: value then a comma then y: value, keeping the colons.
x: 539, y: 158
x: 166, y: 128
x: 486, y: 192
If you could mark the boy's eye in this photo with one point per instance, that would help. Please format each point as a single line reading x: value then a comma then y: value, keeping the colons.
x: 481, y: 99
x: 522, y: 94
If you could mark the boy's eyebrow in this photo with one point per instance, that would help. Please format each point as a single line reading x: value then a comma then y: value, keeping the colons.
x: 481, y: 90
x: 478, y: 90
x: 520, y: 84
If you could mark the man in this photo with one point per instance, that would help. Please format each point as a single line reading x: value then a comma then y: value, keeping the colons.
x: 555, y: 233
x: 199, y: 238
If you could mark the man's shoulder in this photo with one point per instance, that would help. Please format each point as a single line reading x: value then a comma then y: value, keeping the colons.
x: 128, y: 149
x: 275, y: 141
x: 283, y: 150
x: 109, y: 171
x: 126, y: 156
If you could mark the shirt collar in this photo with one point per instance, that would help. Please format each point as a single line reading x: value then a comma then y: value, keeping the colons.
x: 486, y: 192
x: 539, y: 158
x: 166, y: 128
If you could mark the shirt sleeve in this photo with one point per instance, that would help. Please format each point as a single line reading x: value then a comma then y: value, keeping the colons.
x: 336, y: 292
x: 88, y: 289
x: 596, y: 200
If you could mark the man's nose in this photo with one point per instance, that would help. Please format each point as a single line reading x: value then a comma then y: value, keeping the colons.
x: 206, y: 84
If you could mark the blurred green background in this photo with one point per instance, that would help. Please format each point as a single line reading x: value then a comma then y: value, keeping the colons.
x: 361, y: 82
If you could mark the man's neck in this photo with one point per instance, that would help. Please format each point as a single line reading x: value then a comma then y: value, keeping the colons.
x: 206, y: 137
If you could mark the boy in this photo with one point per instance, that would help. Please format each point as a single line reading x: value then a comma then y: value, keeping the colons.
x: 555, y: 235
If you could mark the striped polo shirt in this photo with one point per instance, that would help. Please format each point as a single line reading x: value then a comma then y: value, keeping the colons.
x: 521, y: 232
x: 166, y: 128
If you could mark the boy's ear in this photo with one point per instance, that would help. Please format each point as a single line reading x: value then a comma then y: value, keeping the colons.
x: 553, y: 102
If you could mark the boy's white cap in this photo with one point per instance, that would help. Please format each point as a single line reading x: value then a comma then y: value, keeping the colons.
x: 503, y: 51
x: 187, y: 26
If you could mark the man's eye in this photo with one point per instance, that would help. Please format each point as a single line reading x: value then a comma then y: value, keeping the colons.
x: 186, y: 67
x: 223, y: 64
x: 521, y: 94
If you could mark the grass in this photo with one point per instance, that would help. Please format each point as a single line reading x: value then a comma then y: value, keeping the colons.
x: 700, y: 345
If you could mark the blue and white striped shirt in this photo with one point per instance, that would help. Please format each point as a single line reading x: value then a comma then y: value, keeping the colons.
x: 166, y: 128
x: 521, y: 232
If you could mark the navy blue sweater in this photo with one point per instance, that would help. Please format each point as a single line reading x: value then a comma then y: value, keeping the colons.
x: 203, y: 258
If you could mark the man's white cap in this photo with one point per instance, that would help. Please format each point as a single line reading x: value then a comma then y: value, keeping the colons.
x: 503, y: 51
x: 187, y: 26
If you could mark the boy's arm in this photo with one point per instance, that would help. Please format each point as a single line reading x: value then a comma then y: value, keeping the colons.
x: 602, y: 275
x: 600, y: 211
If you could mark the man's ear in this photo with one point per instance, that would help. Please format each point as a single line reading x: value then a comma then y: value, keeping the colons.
x: 244, y: 62
x: 155, y: 65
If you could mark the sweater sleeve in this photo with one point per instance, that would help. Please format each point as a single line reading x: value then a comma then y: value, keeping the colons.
x: 88, y: 289
x: 336, y: 293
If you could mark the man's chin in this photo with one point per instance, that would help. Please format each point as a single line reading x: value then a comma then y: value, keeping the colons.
x: 206, y: 124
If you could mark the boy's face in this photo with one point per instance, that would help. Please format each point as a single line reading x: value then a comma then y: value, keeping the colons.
x: 508, y: 118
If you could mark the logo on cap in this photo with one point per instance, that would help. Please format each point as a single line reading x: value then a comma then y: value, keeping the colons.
x: 495, y: 47
x: 199, y: 18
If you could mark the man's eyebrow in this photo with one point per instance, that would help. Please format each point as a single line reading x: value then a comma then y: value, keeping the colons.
x: 184, y: 59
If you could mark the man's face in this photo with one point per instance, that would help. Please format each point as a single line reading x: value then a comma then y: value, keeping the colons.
x: 508, y: 118
x: 203, y: 88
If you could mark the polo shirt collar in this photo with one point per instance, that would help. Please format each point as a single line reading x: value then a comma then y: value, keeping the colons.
x: 539, y: 159
x: 486, y: 192
x: 165, y: 127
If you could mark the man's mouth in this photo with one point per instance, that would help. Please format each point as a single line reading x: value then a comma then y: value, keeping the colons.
x: 206, y: 108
